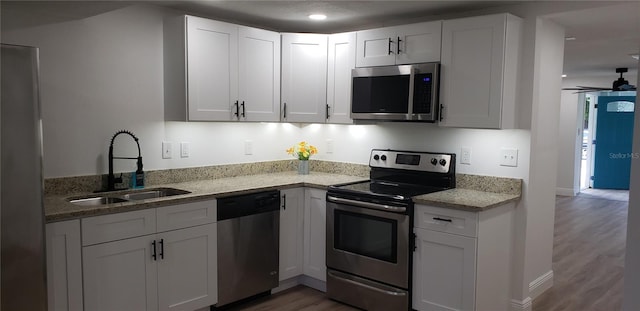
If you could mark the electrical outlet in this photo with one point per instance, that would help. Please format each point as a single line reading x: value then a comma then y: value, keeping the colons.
x: 329, y: 145
x: 184, y: 149
x: 167, y: 150
x: 509, y: 157
x: 248, y: 147
x: 465, y: 155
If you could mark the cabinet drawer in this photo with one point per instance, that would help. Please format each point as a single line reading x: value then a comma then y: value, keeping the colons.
x: 186, y: 215
x: 446, y: 220
x: 119, y: 226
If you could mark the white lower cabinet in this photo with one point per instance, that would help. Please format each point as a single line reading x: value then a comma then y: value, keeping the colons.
x: 120, y: 275
x: 291, y: 233
x: 187, y: 270
x: 462, y: 259
x: 64, y: 259
x: 444, y: 271
x: 173, y: 269
x: 315, y: 219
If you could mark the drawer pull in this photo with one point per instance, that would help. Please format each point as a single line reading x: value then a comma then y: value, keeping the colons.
x: 442, y: 219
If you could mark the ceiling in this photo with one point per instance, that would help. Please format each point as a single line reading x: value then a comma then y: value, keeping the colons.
x: 606, y: 32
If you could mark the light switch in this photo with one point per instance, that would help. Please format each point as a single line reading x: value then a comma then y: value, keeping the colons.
x: 509, y: 157
x: 167, y: 151
x: 184, y: 149
x: 248, y: 147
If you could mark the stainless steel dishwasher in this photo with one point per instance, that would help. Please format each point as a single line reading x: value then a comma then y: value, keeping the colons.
x: 248, y: 245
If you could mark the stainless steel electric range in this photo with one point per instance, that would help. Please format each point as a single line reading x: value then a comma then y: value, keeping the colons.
x: 370, y: 239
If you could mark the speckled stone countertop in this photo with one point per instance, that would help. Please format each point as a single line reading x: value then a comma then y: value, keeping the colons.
x: 466, y: 199
x: 57, y: 207
x: 472, y: 193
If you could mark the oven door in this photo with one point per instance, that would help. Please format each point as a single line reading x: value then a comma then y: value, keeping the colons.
x: 368, y: 240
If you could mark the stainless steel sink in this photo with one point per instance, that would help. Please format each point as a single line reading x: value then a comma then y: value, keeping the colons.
x: 97, y: 201
x: 135, y: 195
x: 153, y: 193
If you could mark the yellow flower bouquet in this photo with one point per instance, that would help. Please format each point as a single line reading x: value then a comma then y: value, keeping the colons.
x: 303, y: 151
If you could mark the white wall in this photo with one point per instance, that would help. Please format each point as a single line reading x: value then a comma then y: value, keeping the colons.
x: 569, y: 144
x: 631, y: 299
x: 104, y: 73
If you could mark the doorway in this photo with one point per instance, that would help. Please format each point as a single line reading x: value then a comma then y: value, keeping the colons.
x: 607, y: 140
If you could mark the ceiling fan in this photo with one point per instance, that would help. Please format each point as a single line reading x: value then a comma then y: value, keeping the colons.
x: 618, y: 85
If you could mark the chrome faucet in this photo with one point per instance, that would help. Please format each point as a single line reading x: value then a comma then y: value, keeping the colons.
x: 111, y: 179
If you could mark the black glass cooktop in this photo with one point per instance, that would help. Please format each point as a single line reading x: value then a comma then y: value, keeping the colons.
x: 389, y: 190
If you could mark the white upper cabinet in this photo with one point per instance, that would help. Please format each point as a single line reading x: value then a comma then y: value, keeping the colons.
x: 259, y: 82
x: 223, y: 66
x: 304, y: 78
x: 342, y: 58
x: 406, y: 44
x: 212, y: 60
x: 479, y: 73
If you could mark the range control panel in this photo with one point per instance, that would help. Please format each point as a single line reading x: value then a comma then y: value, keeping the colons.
x: 412, y: 160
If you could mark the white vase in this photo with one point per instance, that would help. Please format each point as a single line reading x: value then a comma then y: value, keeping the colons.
x: 303, y: 167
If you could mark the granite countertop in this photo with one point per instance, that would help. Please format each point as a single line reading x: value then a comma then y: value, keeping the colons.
x: 466, y: 199
x: 57, y: 207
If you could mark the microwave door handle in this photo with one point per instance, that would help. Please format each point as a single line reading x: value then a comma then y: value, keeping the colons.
x: 412, y: 77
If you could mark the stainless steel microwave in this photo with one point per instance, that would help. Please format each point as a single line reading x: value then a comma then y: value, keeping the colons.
x: 396, y: 93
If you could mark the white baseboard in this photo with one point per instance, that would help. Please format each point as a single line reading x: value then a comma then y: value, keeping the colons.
x: 524, y: 305
x: 541, y: 284
x: 569, y: 192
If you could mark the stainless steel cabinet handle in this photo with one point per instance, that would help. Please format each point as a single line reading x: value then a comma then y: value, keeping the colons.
x: 388, y: 208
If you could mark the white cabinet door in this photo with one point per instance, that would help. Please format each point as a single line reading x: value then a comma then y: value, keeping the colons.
x: 259, y: 64
x: 342, y: 58
x: 419, y: 43
x: 212, y: 65
x: 120, y: 275
x: 376, y: 47
x: 479, y: 71
x: 64, y: 262
x: 315, y: 219
x: 291, y: 233
x: 304, y: 78
x: 187, y: 268
x: 406, y: 44
x: 444, y: 270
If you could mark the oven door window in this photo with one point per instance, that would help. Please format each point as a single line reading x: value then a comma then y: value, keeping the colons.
x: 366, y: 235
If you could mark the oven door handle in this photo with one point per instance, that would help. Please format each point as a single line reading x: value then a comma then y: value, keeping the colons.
x: 345, y: 278
x: 382, y: 207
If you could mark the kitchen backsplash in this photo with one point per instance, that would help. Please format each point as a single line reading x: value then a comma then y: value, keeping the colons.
x: 91, y: 183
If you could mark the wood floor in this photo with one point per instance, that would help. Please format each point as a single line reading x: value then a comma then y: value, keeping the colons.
x: 588, y: 255
x: 588, y: 259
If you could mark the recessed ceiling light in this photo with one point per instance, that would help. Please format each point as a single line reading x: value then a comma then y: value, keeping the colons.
x: 317, y: 17
x: 635, y: 56
x: 570, y: 38
x: 564, y: 76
